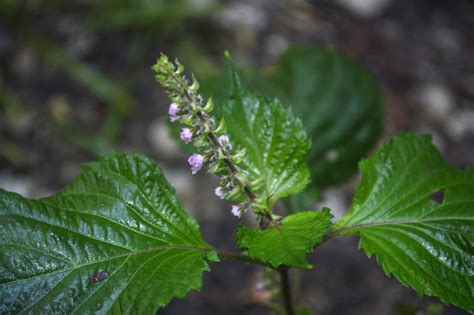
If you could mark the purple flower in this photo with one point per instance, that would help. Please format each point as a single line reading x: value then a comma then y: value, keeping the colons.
x: 219, y: 192
x: 236, y: 211
x: 186, y: 135
x: 224, y: 141
x: 195, y: 161
x: 173, y: 112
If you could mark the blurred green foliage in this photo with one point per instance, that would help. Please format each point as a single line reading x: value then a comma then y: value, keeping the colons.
x: 146, y: 20
x: 148, y: 14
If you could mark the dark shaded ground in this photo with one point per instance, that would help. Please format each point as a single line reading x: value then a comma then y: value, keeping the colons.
x: 421, y: 51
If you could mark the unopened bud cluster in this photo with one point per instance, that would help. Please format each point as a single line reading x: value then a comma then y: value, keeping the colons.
x: 214, y: 147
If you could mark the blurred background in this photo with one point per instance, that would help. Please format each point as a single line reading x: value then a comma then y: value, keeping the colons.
x: 75, y: 83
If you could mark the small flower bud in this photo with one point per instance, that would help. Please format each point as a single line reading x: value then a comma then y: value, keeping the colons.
x: 186, y: 135
x: 173, y: 112
x: 236, y: 211
x: 224, y: 141
x: 195, y: 162
x: 219, y: 192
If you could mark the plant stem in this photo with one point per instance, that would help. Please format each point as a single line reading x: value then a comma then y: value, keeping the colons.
x: 224, y: 255
x: 329, y: 235
x: 286, y: 290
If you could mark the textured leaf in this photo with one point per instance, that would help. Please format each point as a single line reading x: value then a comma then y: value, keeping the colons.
x: 289, y: 242
x: 114, y: 241
x: 274, y: 139
x: 339, y: 102
x: 427, y: 243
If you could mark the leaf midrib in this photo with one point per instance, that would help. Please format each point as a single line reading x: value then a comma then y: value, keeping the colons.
x: 361, y: 226
x: 110, y: 258
x: 131, y: 207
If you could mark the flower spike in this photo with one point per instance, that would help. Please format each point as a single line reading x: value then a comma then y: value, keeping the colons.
x: 213, y: 144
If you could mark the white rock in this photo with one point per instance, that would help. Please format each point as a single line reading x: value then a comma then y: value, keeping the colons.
x: 437, y: 100
x: 331, y: 155
x: 17, y: 184
x: 238, y: 15
x: 447, y: 39
x: 195, y: 193
x: 184, y: 184
x: 181, y: 180
x: 460, y: 124
x: 160, y: 139
x: 201, y: 5
x: 334, y: 200
x: 275, y: 44
x: 437, y: 139
x: 24, y: 63
x: 365, y: 8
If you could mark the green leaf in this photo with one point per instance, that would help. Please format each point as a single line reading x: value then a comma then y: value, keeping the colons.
x: 274, y: 139
x: 340, y: 103
x: 119, y: 220
x: 427, y: 244
x: 303, y: 311
x: 286, y: 243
